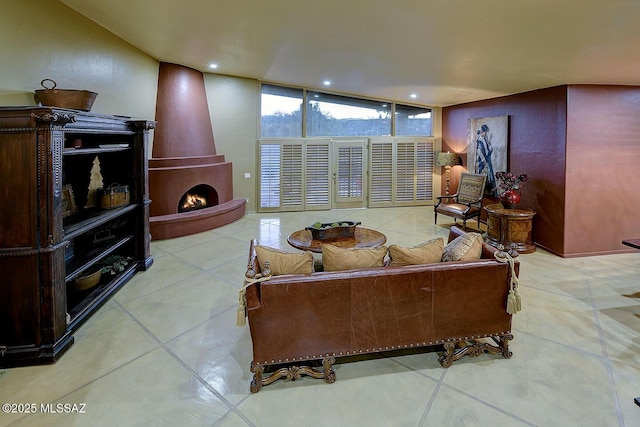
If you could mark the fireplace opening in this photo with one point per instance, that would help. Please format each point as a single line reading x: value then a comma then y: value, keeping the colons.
x: 199, y: 197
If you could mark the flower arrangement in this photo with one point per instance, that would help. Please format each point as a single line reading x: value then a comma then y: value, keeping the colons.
x: 510, y: 186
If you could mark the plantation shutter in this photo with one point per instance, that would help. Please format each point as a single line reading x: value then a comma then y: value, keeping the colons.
x: 405, y: 171
x: 296, y: 175
x: 424, y: 171
x: 349, y: 175
x: 269, y: 175
x: 414, y: 172
x: 381, y: 173
x: 317, y: 175
x: 291, y: 188
x: 281, y: 175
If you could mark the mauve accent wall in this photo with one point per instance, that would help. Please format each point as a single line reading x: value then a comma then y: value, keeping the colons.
x: 602, y: 201
x: 562, y: 137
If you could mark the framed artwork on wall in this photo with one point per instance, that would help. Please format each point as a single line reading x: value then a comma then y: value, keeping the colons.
x: 487, y: 147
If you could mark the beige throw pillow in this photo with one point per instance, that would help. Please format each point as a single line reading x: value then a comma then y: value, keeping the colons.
x: 462, y: 248
x: 424, y: 253
x: 338, y: 259
x: 283, y: 262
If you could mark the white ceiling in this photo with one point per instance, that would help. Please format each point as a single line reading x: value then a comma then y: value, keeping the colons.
x: 445, y: 51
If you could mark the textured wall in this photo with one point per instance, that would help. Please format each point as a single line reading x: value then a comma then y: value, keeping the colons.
x: 46, y: 39
x: 580, y: 145
x: 603, y: 168
x: 537, y: 123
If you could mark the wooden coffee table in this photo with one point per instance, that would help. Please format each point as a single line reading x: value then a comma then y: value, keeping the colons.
x: 363, y: 238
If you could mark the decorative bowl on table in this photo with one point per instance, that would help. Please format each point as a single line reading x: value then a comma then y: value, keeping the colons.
x: 333, y: 230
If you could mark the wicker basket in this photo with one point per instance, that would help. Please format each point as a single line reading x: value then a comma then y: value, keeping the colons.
x: 87, y: 282
x: 114, y: 196
x: 64, y: 98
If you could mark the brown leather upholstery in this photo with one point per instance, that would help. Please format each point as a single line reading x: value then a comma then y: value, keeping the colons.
x: 294, y: 318
x: 466, y: 203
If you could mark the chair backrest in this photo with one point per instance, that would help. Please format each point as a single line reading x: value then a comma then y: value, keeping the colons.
x: 471, y: 187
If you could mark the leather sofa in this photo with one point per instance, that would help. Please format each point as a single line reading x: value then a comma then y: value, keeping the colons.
x: 299, y: 321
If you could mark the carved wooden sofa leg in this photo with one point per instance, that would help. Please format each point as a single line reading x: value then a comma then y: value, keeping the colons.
x: 472, y: 348
x: 292, y: 373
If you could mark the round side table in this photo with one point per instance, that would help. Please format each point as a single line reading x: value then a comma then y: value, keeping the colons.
x: 510, y: 228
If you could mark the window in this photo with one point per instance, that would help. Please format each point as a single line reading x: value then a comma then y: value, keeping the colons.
x: 413, y: 121
x: 336, y: 115
x: 280, y: 112
x: 320, y: 151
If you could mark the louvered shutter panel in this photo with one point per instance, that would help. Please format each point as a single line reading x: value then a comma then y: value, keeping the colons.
x: 424, y: 171
x: 381, y: 174
x: 317, y: 177
x: 291, y: 177
x: 414, y: 176
x: 269, y: 175
x: 350, y: 173
x: 405, y: 171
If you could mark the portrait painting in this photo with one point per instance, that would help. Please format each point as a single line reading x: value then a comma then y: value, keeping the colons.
x: 487, y: 148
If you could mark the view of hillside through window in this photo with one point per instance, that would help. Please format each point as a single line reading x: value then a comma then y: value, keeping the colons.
x: 336, y: 115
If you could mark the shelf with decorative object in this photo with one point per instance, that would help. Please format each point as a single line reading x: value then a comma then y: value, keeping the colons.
x: 56, y: 164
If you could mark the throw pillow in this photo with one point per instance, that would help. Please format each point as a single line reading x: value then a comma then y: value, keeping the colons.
x: 337, y: 259
x: 424, y: 253
x: 465, y: 247
x: 283, y: 262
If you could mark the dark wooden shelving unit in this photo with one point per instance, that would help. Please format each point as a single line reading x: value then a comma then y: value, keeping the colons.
x: 46, y: 158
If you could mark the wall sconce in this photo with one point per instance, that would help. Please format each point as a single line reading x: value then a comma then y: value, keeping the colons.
x: 447, y: 160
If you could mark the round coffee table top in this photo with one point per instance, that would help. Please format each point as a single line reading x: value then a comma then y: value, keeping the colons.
x: 362, y: 238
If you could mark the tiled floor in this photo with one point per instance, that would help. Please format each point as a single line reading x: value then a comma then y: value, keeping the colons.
x: 165, y: 350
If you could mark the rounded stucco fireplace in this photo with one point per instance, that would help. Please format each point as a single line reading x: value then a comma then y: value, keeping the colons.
x: 184, y: 159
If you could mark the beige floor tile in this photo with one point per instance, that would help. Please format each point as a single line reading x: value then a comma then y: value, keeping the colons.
x: 108, y: 340
x: 212, y: 253
x: 453, y: 408
x: 165, y: 350
x: 558, y: 318
x: 151, y: 390
x: 545, y: 383
x: 367, y: 393
x: 166, y: 271
x: 220, y: 353
x: 175, y: 309
x: 627, y: 379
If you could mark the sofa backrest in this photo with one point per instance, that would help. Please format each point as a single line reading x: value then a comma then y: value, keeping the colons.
x: 376, y: 309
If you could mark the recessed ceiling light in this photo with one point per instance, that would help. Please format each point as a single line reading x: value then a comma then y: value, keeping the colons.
x: 214, y: 66
x: 413, y: 95
x: 326, y: 82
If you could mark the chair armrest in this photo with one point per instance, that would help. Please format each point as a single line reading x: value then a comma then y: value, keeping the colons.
x: 452, y: 196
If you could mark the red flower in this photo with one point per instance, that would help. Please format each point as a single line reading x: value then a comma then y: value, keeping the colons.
x: 508, y: 181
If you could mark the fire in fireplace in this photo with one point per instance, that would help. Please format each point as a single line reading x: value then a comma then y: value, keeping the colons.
x: 198, y: 197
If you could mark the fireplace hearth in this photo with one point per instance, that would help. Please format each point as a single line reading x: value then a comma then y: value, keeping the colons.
x: 190, y: 184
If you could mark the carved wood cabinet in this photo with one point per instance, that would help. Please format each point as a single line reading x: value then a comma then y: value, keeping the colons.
x: 510, y: 227
x: 54, y: 228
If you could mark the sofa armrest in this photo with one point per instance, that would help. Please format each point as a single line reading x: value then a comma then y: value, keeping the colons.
x: 253, y: 256
x: 455, y: 232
